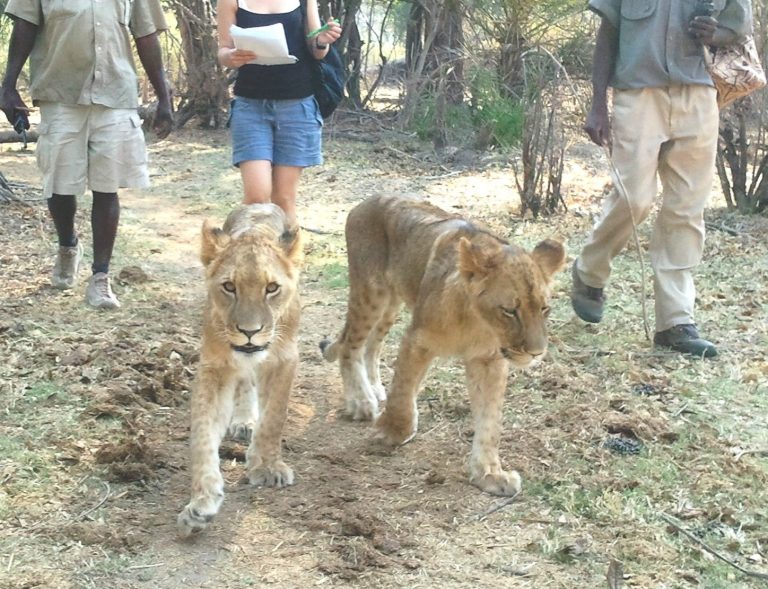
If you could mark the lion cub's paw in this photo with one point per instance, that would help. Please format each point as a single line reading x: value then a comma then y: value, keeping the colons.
x: 379, y: 391
x: 362, y: 410
x: 241, y: 432
x: 395, y: 431
x: 279, y: 474
x: 502, y: 483
x: 198, y: 514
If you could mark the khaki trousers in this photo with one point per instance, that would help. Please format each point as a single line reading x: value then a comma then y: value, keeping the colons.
x: 670, y: 133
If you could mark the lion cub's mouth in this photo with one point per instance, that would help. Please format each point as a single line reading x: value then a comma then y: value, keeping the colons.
x: 519, y: 359
x: 250, y: 348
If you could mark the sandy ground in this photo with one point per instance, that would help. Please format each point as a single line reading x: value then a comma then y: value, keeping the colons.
x: 93, y: 461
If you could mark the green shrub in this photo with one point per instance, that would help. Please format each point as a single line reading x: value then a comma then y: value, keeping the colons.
x: 487, y: 114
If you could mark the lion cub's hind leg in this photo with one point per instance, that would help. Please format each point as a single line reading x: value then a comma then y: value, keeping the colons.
x: 211, y: 410
x: 246, y: 412
x: 486, y: 381
x: 367, y: 307
x: 373, y: 347
x: 264, y: 462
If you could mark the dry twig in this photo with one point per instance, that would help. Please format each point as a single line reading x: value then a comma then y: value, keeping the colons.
x: 712, y: 551
x: 740, y: 453
x: 99, y: 504
x: 723, y: 228
x: 499, y: 506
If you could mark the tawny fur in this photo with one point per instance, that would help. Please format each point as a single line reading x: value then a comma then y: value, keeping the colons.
x: 249, y: 352
x: 471, y: 295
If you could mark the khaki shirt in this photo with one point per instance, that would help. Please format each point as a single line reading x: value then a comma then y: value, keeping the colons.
x: 655, y: 49
x: 83, y: 52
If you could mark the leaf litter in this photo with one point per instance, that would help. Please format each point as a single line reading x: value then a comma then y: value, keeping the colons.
x: 99, y: 398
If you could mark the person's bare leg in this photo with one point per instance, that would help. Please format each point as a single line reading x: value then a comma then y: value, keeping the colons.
x: 285, y: 186
x: 105, y: 216
x: 257, y: 181
x: 62, y: 208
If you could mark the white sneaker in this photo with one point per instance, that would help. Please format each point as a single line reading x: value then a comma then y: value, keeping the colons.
x: 99, y: 293
x: 66, y: 265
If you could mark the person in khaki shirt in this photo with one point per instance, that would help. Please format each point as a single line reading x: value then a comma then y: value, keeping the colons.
x: 665, y: 126
x: 83, y: 79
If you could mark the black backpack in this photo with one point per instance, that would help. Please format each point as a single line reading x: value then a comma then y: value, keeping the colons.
x: 328, y: 81
x: 328, y: 77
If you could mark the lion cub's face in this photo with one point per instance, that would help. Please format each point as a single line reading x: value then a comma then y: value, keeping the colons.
x: 251, y: 279
x: 510, y: 290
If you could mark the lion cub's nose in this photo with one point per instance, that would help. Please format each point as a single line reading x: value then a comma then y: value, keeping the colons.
x: 249, y: 333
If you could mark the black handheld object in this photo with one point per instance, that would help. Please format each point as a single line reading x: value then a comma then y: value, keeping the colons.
x: 20, y: 125
x: 703, y: 8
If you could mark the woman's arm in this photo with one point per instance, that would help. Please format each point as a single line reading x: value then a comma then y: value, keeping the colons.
x: 226, y: 11
x: 319, y: 44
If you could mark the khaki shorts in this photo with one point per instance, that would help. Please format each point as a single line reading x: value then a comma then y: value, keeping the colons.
x: 95, y: 146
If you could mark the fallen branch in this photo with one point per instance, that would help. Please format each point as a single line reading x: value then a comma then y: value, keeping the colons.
x: 14, y: 137
x: 723, y: 228
x: 99, y: 504
x: 759, y: 451
x: 317, y: 231
x: 499, y: 506
x: 6, y: 191
x: 413, y: 157
x: 712, y: 551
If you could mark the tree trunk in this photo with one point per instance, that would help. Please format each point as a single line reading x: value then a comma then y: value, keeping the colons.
x: 205, y: 95
x: 448, y: 52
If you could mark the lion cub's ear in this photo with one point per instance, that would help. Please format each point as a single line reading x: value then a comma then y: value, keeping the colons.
x: 550, y: 256
x: 476, y: 260
x: 292, y: 243
x: 213, y: 241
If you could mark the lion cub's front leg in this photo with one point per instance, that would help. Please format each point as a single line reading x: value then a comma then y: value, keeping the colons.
x: 211, y: 409
x: 246, y: 412
x: 264, y: 463
x: 486, y: 381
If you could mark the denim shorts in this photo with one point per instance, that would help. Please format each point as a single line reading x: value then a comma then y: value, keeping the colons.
x: 284, y: 132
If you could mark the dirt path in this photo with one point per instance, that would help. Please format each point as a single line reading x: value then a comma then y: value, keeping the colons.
x: 93, y: 433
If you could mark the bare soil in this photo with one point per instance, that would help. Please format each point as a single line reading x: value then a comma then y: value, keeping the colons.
x: 607, y: 433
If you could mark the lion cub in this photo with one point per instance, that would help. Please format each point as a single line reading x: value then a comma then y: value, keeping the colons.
x: 471, y: 295
x: 249, y: 352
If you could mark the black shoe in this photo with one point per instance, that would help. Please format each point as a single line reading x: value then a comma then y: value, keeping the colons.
x: 685, y: 339
x: 587, y: 301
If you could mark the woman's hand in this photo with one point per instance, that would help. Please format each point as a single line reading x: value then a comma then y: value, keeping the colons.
x: 330, y: 35
x: 234, y: 58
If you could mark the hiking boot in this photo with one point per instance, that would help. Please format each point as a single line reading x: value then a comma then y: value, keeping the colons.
x: 685, y: 339
x: 587, y: 301
x: 99, y: 293
x: 66, y: 265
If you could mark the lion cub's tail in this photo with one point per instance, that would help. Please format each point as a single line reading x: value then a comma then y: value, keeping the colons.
x: 330, y: 350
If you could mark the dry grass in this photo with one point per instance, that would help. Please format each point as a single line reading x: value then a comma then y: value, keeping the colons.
x: 93, y: 428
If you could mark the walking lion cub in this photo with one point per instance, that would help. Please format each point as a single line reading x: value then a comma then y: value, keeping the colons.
x: 471, y: 295
x: 249, y: 352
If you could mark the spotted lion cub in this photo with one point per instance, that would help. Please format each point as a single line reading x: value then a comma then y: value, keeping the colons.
x: 471, y: 295
x: 249, y: 352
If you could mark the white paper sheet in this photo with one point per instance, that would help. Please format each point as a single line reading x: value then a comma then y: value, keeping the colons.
x: 268, y: 43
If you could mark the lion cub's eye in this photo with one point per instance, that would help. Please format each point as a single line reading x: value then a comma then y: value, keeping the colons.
x: 510, y: 312
x: 272, y: 288
x: 229, y: 286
